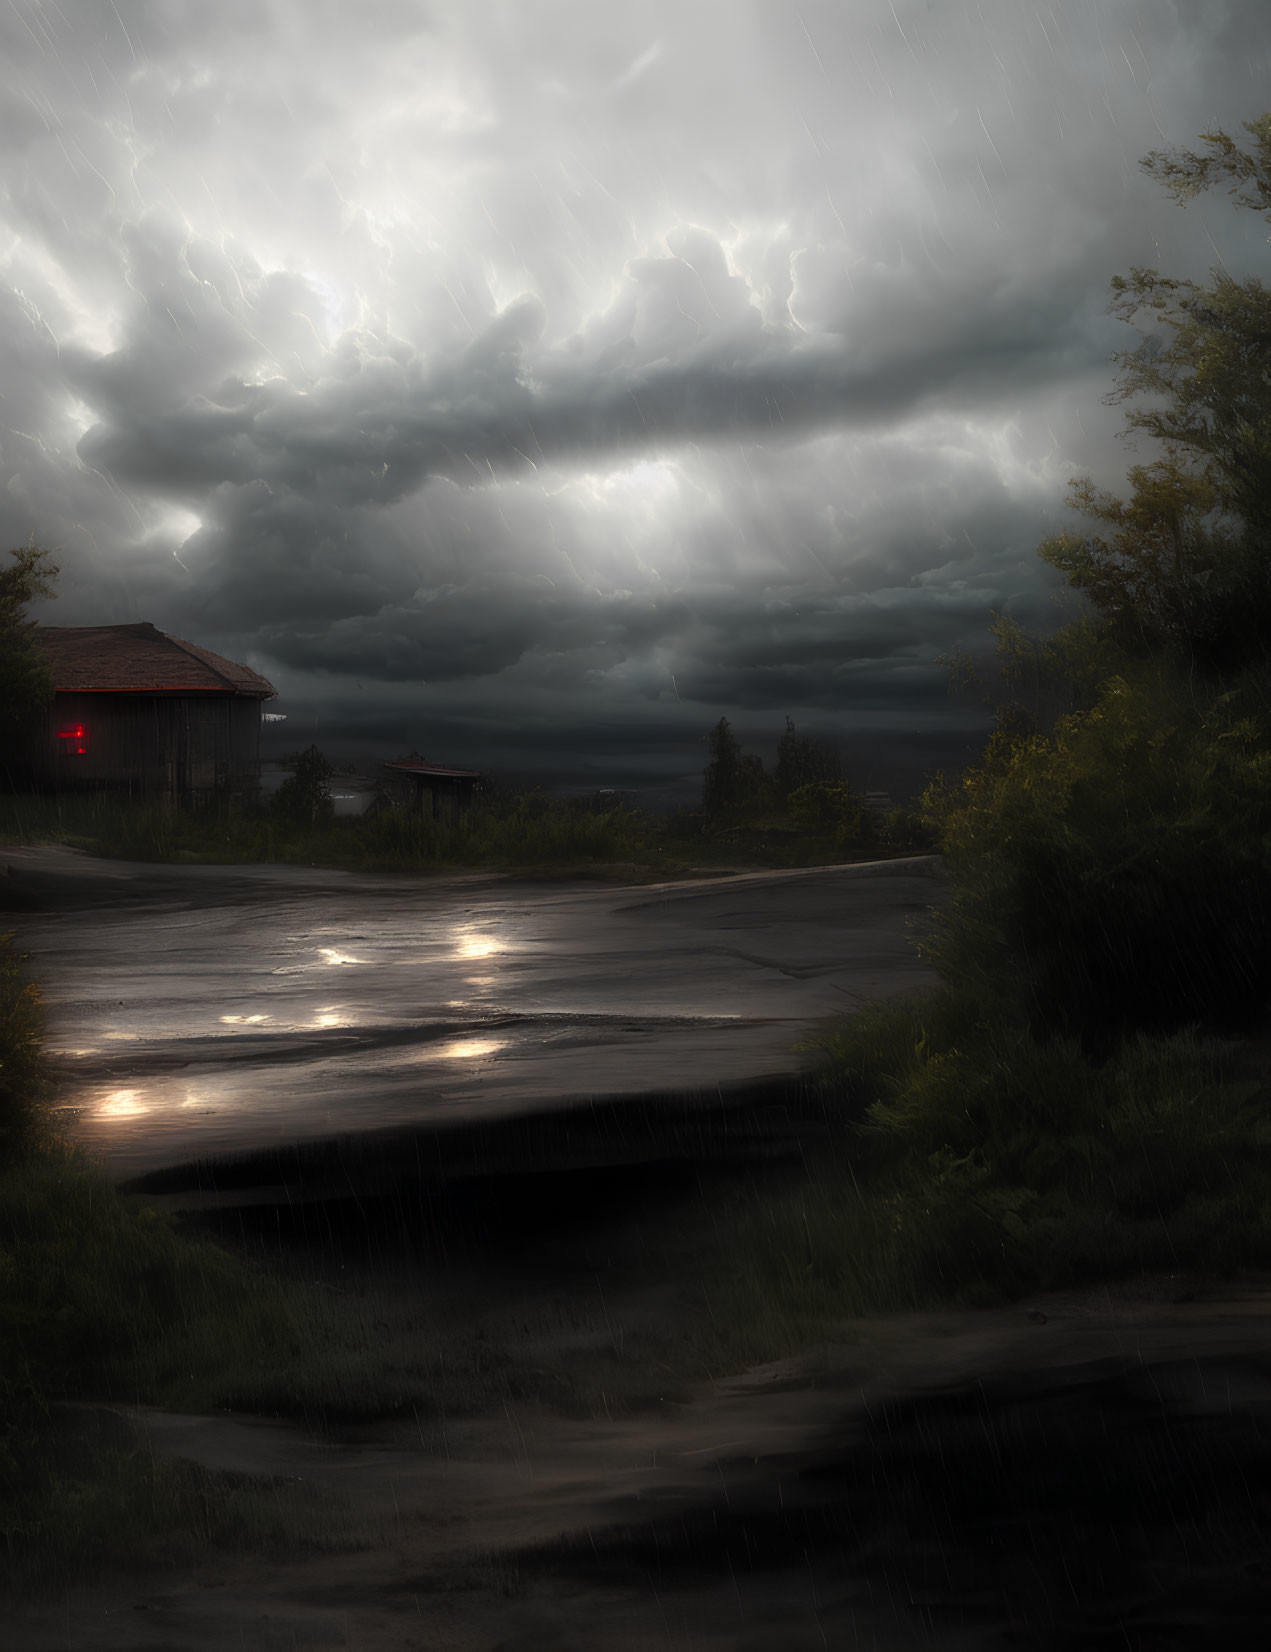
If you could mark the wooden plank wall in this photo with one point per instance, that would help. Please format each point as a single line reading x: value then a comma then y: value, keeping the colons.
x: 185, y: 748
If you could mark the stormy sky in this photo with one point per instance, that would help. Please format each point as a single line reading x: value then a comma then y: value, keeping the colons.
x: 532, y: 383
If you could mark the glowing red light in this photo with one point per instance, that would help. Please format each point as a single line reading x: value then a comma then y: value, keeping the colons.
x: 76, y: 738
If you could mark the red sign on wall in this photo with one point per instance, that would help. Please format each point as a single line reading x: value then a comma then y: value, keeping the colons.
x: 73, y: 739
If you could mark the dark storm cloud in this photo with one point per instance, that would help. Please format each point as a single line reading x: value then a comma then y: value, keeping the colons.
x: 601, y: 370
x: 683, y: 364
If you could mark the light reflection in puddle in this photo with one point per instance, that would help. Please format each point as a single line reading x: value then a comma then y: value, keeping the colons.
x: 331, y: 1015
x: 122, y: 1104
x: 469, y: 944
x: 330, y: 955
x: 476, y: 982
x: 245, y: 1020
x: 462, y: 1049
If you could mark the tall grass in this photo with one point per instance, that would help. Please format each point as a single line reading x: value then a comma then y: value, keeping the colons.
x: 104, y: 1300
x: 512, y: 832
x: 105, y: 1303
x: 519, y: 833
x: 972, y: 1163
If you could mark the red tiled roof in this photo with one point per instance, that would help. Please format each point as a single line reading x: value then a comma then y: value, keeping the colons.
x: 138, y: 659
x: 244, y: 679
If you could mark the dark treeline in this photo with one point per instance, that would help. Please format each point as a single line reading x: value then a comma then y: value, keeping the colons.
x: 808, y: 794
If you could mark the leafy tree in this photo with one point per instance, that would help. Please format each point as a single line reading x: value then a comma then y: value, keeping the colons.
x: 803, y: 761
x: 1111, y: 852
x: 303, y: 798
x: 1215, y: 373
x: 26, y: 684
x: 721, y: 783
x: 1171, y: 579
x: 1036, y: 680
x: 733, y: 780
x: 1188, y: 567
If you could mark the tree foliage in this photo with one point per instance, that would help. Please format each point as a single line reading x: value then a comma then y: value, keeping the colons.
x: 1111, y: 851
x: 1116, y: 874
x: 733, y: 779
x: 26, y: 684
x: 1036, y: 680
x: 1187, y: 568
x: 832, y: 808
x: 303, y: 798
x: 804, y: 761
x: 1185, y: 174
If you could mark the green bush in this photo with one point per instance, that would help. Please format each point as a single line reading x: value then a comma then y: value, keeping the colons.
x: 303, y: 798
x: 981, y: 1163
x: 834, y: 810
x: 903, y: 829
x: 79, y: 1326
x: 1116, y: 874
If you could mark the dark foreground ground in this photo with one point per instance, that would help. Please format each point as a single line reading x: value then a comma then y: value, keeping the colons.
x: 1091, y: 1470
x: 1082, y: 1471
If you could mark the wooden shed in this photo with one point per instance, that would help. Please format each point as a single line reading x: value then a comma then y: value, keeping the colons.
x: 434, y: 789
x: 137, y: 711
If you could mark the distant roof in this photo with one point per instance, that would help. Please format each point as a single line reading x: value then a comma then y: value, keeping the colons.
x: 138, y: 659
x: 416, y: 765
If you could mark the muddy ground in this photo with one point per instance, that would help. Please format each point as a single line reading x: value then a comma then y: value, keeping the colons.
x: 1086, y: 1470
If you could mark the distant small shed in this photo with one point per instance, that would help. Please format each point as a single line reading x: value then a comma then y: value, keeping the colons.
x: 435, y: 789
x: 138, y: 711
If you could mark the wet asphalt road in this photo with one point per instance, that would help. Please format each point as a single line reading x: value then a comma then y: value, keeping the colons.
x: 200, y: 1011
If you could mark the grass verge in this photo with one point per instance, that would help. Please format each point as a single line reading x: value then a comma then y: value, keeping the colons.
x: 970, y: 1164
x: 104, y: 1301
x: 525, y: 833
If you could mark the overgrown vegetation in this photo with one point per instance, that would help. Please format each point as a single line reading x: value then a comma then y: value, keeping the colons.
x: 805, y: 813
x: 304, y: 799
x: 1087, y: 1094
x: 1115, y: 875
x: 26, y: 684
x: 973, y: 1164
x: 1112, y: 859
x: 506, y: 830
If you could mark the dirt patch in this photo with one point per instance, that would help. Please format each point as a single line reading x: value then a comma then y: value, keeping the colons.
x: 1088, y: 1468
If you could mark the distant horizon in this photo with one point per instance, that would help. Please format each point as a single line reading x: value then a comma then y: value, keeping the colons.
x: 879, y: 769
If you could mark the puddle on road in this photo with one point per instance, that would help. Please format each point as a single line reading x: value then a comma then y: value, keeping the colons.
x: 383, y: 1004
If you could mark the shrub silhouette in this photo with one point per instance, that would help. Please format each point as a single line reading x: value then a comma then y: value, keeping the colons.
x: 303, y: 799
x: 1116, y: 874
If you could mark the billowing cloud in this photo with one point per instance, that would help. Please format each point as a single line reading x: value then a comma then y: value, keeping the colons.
x: 541, y: 383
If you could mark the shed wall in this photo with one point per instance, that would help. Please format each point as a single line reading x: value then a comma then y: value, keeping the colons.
x: 182, y: 747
